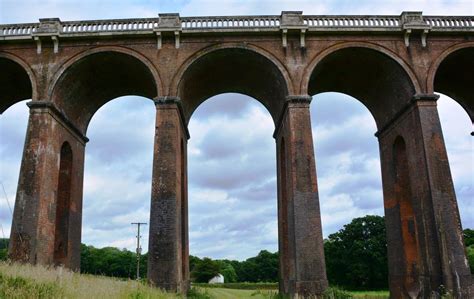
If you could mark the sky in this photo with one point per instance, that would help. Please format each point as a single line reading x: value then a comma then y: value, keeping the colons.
x: 231, y: 153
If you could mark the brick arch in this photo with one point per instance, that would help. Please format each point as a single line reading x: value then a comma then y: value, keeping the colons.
x: 248, y: 62
x: 451, y: 73
x: 22, y: 85
x: 370, y: 73
x: 92, y: 78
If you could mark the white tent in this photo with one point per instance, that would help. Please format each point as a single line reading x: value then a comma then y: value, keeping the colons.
x: 219, y: 278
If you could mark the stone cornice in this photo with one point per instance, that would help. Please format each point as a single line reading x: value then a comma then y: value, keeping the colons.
x: 60, y: 116
x: 289, y: 100
x: 166, y: 100
x: 418, y: 99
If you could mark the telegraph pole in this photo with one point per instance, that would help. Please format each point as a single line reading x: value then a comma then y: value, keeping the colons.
x: 139, y: 249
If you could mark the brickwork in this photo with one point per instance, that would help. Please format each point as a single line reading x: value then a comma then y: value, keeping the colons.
x: 302, y: 263
x: 168, y: 253
x: 34, y: 219
x: 71, y: 69
x: 423, y: 226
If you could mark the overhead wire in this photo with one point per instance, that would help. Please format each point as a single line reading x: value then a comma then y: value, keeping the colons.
x: 11, y: 211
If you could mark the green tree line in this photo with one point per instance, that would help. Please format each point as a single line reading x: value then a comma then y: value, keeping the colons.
x: 356, y: 258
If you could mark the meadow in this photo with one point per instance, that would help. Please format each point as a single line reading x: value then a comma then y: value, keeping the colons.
x: 26, y: 281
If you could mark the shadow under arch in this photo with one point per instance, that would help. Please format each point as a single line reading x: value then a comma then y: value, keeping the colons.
x: 366, y: 73
x: 452, y: 74
x: 233, y: 69
x: 93, y: 79
x: 17, y: 81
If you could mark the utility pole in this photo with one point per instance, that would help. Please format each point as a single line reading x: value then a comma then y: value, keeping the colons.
x: 139, y: 249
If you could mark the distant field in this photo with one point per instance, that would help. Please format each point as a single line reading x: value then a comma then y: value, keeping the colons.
x: 222, y: 293
x: 269, y: 291
x: 241, y: 285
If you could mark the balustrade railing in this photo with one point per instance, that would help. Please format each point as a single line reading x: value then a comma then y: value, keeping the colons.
x: 18, y: 29
x: 239, y: 23
x: 189, y: 23
x: 450, y: 22
x: 352, y: 21
x: 109, y: 25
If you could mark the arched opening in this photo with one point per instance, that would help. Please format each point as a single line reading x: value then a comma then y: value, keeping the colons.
x: 117, y: 180
x: 97, y: 78
x: 407, y: 223
x: 239, y: 70
x: 350, y: 188
x: 384, y: 87
x: 63, y: 205
x: 15, y: 89
x: 118, y: 173
x: 454, y: 77
x: 251, y: 72
x: 232, y: 179
x: 459, y: 147
x: 13, y: 126
x: 15, y: 84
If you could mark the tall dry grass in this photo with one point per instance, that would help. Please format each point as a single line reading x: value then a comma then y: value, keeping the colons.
x: 26, y: 281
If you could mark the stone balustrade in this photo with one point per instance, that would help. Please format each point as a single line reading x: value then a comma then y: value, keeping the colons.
x: 241, y: 24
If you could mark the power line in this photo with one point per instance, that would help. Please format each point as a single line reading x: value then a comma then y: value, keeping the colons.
x: 6, y: 197
x: 139, y: 249
x: 11, y: 212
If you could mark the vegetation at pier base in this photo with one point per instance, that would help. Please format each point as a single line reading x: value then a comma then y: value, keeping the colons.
x: 3, y: 249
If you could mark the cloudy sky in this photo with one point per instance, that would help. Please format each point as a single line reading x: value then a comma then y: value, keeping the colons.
x: 232, y: 183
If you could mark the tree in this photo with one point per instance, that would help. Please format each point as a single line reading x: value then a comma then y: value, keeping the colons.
x: 356, y: 256
x: 468, y: 237
x: 110, y: 261
x: 227, y: 270
x: 3, y: 249
x: 205, y: 270
x: 470, y: 257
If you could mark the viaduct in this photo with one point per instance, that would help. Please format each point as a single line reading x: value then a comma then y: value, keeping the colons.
x: 392, y: 64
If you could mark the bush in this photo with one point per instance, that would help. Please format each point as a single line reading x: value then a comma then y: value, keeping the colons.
x: 19, y: 287
x: 470, y: 257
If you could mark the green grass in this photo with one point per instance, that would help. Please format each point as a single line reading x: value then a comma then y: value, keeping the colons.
x: 245, y: 290
x: 26, y: 281
x: 370, y: 294
x: 224, y: 293
x: 241, y: 285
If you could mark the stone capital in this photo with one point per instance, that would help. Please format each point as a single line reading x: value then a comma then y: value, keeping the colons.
x: 60, y: 116
x: 173, y: 100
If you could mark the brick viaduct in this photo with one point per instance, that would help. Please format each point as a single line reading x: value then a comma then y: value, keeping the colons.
x: 392, y: 64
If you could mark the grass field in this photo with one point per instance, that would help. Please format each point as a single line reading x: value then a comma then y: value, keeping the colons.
x: 222, y: 293
x: 215, y: 292
x: 26, y: 281
x: 370, y: 294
